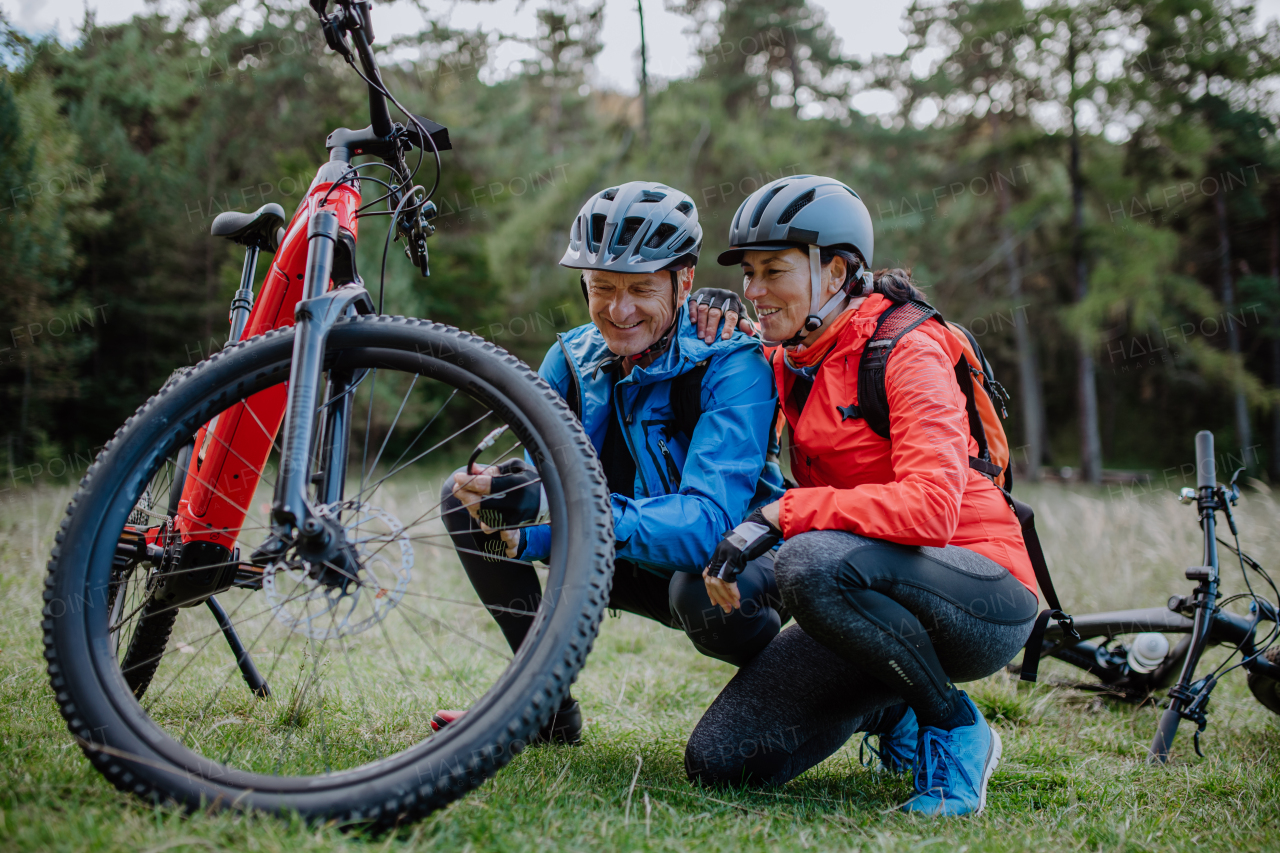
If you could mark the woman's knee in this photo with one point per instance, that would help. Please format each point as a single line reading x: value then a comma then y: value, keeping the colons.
x: 714, y: 760
x: 805, y: 569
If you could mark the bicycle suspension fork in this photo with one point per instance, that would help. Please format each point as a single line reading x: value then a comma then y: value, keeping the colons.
x: 314, y: 317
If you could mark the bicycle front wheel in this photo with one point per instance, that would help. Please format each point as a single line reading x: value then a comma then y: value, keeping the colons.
x: 357, y: 659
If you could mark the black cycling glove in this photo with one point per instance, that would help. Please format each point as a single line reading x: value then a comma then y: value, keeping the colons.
x: 741, y: 545
x: 514, y: 496
x: 725, y: 300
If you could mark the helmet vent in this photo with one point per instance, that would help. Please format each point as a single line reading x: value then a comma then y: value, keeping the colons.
x: 661, y: 234
x: 630, y: 226
x: 649, y: 196
x: 597, y: 229
x: 684, y: 207
x: 609, y: 194
x: 764, y: 202
x: 687, y: 246
x: 795, y: 207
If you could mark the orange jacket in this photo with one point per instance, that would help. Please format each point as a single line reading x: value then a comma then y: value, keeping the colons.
x: 916, y: 488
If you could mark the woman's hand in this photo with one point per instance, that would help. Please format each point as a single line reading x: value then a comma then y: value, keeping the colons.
x: 721, y: 593
x: 710, y: 305
x: 744, y: 543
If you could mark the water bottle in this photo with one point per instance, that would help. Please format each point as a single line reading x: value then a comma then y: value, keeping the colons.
x: 1148, y: 651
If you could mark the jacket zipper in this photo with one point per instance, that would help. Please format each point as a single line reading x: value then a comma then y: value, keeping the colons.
x: 626, y: 433
x: 672, y: 470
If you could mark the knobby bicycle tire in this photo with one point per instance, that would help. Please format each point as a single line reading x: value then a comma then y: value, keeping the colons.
x: 137, y: 755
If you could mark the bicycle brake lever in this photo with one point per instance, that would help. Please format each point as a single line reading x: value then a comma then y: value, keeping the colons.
x: 335, y: 35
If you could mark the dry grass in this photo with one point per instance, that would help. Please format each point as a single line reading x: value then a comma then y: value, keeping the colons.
x: 1073, y: 775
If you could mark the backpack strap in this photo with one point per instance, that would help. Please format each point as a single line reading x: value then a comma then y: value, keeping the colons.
x: 686, y: 397
x: 873, y: 398
x: 575, y: 393
x: 1035, y: 643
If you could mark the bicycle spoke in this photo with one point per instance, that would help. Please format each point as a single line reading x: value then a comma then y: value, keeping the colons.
x: 394, y: 421
x: 451, y: 630
x: 368, y: 428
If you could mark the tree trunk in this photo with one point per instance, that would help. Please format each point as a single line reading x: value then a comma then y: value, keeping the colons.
x: 644, y: 77
x: 1273, y: 209
x: 1028, y: 370
x: 1243, y: 432
x: 1087, y: 390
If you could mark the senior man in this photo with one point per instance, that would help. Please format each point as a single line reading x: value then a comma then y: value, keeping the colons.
x: 682, y: 428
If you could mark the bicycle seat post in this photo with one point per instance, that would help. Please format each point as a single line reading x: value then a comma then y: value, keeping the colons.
x: 242, y: 304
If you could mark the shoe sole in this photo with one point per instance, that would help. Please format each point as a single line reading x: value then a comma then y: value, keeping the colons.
x: 993, y: 759
x: 555, y: 736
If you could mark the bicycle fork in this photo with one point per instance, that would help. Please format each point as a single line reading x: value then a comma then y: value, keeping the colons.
x: 294, y: 520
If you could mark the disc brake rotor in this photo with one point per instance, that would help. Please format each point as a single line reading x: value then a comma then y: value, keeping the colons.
x: 305, y: 597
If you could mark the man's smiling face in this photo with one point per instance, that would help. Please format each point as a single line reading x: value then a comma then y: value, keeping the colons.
x: 632, y: 310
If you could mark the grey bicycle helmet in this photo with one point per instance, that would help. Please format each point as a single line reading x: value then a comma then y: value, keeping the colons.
x: 638, y: 227
x: 804, y: 212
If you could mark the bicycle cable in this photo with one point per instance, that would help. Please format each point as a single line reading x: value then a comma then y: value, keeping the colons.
x: 422, y: 131
x: 354, y: 169
x: 1272, y: 634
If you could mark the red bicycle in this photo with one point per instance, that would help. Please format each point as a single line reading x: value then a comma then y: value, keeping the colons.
x: 317, y: 551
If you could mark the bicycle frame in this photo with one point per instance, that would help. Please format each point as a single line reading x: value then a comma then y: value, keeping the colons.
x: 233, y: 449
x: 308, y: 287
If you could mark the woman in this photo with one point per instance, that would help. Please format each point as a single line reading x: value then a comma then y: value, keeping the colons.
x: 903, y: 567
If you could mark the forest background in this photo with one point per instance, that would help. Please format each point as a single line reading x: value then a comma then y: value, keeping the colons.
x: 1093, y: 188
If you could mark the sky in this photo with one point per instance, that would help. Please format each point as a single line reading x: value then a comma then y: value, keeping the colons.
x: 865, y: 28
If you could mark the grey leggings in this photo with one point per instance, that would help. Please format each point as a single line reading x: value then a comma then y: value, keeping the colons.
x: 879, y: 627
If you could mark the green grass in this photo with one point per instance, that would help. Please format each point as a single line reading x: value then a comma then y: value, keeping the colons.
x: 1073, y: 776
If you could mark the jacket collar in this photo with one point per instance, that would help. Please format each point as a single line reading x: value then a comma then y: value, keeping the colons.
x: 587, y: 347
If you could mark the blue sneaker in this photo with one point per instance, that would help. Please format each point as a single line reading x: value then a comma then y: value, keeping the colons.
x: 953, y: 767
x: 897, y: 752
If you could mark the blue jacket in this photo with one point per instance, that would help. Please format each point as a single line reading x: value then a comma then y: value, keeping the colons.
x: 674, y: 523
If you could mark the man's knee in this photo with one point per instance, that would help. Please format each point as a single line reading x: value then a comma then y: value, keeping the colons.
x: 691, y: 607
x: 454, y: 515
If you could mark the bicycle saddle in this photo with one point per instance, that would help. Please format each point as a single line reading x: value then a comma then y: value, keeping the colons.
x: 257, y: 229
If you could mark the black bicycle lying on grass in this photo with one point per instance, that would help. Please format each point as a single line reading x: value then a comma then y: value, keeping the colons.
x: 1129, y: 653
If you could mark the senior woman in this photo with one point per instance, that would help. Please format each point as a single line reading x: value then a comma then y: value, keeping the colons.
x: 903, y: 566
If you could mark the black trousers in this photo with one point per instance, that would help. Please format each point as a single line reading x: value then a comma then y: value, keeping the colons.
x: 511, y: 591
x: 880, y: 627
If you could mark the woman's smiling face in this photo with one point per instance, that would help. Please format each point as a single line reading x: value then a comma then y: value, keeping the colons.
x: 777, y: 283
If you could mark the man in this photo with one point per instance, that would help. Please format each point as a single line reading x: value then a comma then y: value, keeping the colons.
x: 682, y: 428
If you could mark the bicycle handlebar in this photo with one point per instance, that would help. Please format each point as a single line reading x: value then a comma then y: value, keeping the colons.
x: 362, y: 38
x: 355, y: 17
x: 1206, y: 473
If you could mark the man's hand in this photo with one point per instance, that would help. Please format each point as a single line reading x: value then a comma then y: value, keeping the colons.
x: 709, y: 305
x: 502, y: 499
x: 721, y: 593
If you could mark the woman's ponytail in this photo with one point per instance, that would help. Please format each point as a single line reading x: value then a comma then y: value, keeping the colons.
x: 894, y: 284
